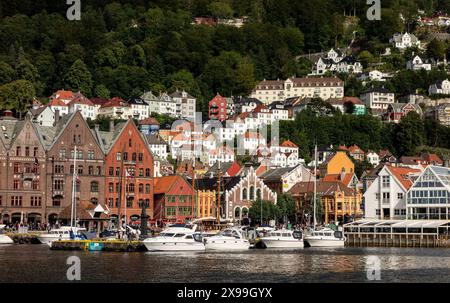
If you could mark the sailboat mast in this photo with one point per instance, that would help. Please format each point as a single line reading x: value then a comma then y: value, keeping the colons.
x: 73, y: 209
x: 218, y: 193
x: 315, y: 184
x: 193, y: 202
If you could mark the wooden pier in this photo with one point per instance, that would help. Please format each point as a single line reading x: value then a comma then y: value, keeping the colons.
x: 397, y: 233
x: 89, y: 245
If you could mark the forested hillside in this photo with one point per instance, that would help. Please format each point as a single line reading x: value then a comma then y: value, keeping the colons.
x: 123, y: 48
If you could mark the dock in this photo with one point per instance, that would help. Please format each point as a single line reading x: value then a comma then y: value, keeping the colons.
x: 397, y: 233
x: 97, y: 245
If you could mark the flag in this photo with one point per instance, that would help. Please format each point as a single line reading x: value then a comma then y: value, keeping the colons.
x: 128, y: 174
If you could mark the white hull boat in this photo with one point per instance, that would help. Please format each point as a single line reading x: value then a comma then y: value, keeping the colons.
x: 4, y: 239
x: 325, y: 237
x: 59, y: 234
x: 283, y: 239
x: 227, y: 240
x: 176, y: 239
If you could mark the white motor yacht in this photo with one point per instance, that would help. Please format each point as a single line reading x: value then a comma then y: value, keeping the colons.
x: 283, y: 238
x: 227, y: 239
x: 325, y: 237
x: 176, y: 238
x: 4, y: 239
x: 62, y: 233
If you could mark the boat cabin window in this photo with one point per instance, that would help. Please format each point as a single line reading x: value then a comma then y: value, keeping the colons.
x: 179, y: 235
x: 197, y: 237
x: 297, y: 234
x: 328, y: 234
x: 167, y: 235
x: 189, y: 237
x: 235, y: 234
x: 278, y: 234
x: 286, y: 235
x: 338, y: 234
x: 227, y: 233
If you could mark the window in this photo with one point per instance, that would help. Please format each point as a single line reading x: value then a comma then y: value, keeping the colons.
x: 400, y: 196
x: 129, y: 143
x: 378, y: 212
x: 111, y: 171
x: 56, y: 201
x: 141, y: 157
x: 27, y: 151
x: 111, y: 187
x: 16, y: 184
x: 130, y: 202
x: 386, y: 181
x: 125, y: 156
x: 118, y: 156
x: 94, y: 187
x: 90, y: 155
x: 90, y: 170
x: 62, y: 153
x: 58, y: 185
x: 77, y: 186
x: 131, y: 188
x: 252, y: 193
x: 147, y: 172
x: 244, y: 194
x: 99, y: 170
x: 147, y: 188
x: 35, y: 152
x: 141, y: 188
x: 17, y: 169
x: 35, y: 184
x: 80, y: 169
x: 133, y: 157
x: 35, y: 201
x: 59, y: 169
x: 396, y: 212
x: 110, y: 202
x: 94, y: 201
x: 16, y: 200
x: 141, y: 172
x: 18, y: 151
x: 117, y: 171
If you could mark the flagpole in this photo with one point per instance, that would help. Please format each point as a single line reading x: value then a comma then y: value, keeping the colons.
x: 73, y: 209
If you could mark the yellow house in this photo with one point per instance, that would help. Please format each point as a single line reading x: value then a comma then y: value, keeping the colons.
x: 337, y: 164
x: 206, y: 203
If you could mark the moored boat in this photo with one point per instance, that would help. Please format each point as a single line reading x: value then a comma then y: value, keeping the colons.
x: 62, y: 233
x: 283, y: 238
x: 176, y: 238
x: 227, y: 239
x: 325, y: 237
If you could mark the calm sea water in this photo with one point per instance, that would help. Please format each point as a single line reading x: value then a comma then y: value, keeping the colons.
x: 37, y: 263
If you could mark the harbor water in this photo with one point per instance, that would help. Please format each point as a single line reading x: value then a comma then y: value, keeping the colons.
x: 37, y: 263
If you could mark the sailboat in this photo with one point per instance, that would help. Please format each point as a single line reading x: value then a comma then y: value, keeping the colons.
x: 65, y: 232
x: 323, y: 236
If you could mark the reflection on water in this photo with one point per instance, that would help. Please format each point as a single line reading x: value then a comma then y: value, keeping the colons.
x: 36, y: 263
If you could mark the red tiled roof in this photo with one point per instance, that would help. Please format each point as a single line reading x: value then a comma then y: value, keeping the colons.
x: 149, y: 121
x: 115, y: 102
x: 57, y: 102
x: 163, y: 184
x: 62, y: 94
x: 355, y: 149
x: 289, y: 143
x: 347, y: 178
x: 402, y: 175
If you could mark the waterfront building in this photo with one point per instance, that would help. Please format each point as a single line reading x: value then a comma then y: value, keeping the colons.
x: 339, y: 203
x: 22, y: 172
x: 82, y: 104
x: 185, y: 105
x: 129, y: 171
x: 385, y: 198
x: 115, y: 108
x: 71, y: 132
x: 173, y: 196
x: 429, y: 197
x: 281, y: 180
x: 139, y: 109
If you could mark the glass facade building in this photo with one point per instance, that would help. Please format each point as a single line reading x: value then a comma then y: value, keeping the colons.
x: 429, y: 197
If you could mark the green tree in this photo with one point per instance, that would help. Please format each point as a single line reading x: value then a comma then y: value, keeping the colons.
x: 436, y: 49
x: 7, y: 73
x: 102, y: 91
x: 17, y: 95
x: 410, y: 134
x: 286, y: 206
x: 269, y: 211
x: 78, y: 78
x: 220, y: 10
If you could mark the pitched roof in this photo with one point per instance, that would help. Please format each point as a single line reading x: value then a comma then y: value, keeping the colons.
x: 346, y: 179
x: 275, y: 174
x: 85, y: 211
x: 162, y: 185
x: 403, y: 175
x: 179, y: 94
x: 137, y: 101
x: 289, y: 143
x: 149, y: 121
x: 115, y: 102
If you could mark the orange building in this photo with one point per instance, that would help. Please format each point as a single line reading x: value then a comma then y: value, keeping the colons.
x: 337, y: 164
x: 129, y: 171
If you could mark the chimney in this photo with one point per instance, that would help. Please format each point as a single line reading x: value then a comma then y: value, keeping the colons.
x: 57, y: 115
x: 111, y: 126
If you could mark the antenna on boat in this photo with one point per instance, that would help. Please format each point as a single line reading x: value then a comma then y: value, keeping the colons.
x: 193, y: 202
x: 218, y: 192
x: 315, y: 184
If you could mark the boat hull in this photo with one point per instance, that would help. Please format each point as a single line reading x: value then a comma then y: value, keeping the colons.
x: 173, y: 246
x: 325, y: 242
x: 6, y: 240
x: 227, y: 245
x: 48, y: 239
x: 274, y: 243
